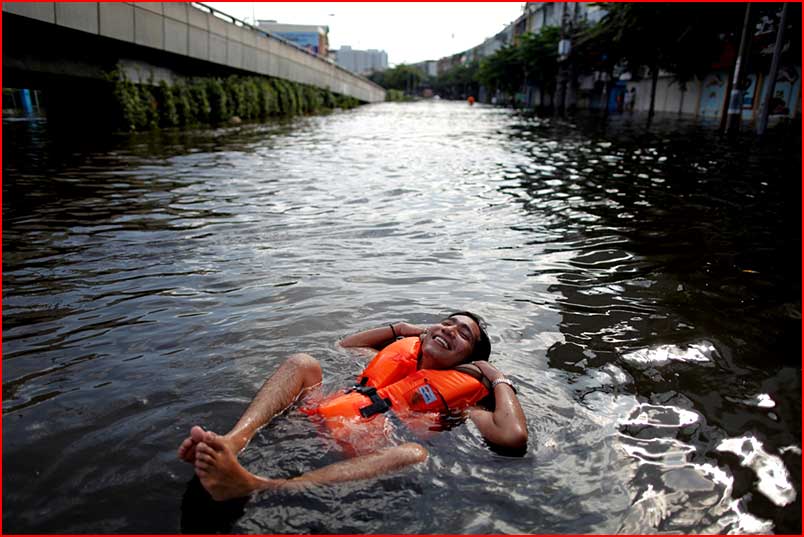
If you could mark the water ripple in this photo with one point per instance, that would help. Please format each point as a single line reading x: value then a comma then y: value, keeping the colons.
x: 641, y: 285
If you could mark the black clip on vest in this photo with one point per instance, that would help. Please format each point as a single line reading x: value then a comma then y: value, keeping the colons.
x: 378, y: 404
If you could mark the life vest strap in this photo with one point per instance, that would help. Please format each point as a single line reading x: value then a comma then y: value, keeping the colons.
x: 378, y: 404
x: 474, y: 371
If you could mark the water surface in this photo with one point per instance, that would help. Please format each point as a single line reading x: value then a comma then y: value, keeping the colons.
x: 642, y: 286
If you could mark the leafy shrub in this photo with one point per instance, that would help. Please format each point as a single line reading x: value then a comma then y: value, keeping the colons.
x: 184, y: 107
x: 221, y: 108
x: 168, y: 116
x: 200, y: 101
x: 213, y: 101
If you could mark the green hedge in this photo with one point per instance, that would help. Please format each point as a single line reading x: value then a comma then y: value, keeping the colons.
x: 396, y: 95
x: 214, y: 101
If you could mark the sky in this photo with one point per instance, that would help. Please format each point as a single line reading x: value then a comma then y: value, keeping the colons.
x: 409, y: 32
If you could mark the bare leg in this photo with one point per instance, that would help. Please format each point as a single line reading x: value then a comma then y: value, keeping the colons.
x: 296, y: 374
x: 224, y: 478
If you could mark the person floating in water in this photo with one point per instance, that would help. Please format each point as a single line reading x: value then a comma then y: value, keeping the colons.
x: 471, y: 100
x: 417, y: 375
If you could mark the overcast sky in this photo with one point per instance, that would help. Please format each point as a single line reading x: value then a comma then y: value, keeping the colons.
x: 408, y: 31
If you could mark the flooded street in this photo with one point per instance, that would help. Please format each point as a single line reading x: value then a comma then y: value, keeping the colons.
x: 642, y: 287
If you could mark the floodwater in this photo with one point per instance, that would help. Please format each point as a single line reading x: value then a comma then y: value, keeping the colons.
x: 642, y: 285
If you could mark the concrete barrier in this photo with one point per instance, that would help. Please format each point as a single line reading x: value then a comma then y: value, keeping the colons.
x: 185, y: 30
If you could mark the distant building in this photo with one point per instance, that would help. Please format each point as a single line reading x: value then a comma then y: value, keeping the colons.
x: 483, y: 50
x: 314, y: 38
x: 361, y: 61
x: 428, y: 67
x: 534, y: 18
x: 538, y: 15
x: 450, y: 62
x: 492, y: 44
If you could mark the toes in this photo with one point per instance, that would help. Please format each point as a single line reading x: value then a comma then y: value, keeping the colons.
x: 185, y: 450
x: 204, y: 449
x: 215, y: 442
x: 208, y: 436
x: 197, y: 434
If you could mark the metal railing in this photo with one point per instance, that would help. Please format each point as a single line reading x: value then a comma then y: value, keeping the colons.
x: 243, y: 24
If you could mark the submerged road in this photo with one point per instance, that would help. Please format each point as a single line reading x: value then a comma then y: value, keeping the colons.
x: 642, y: 287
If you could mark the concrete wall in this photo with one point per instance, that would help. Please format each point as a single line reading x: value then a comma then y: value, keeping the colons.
x: 669, y: 97
x: 182, y: 29
x: 707, y: 98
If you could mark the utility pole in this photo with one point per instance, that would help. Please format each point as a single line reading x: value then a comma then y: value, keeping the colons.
x: 735, y: 101
x: 770, y: 83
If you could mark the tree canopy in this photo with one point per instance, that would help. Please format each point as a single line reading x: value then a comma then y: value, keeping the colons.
x: 539, y: 56
x: 457, y: 82
x: 402, y: 77
x: 502, y: 71
x: 684, y: 39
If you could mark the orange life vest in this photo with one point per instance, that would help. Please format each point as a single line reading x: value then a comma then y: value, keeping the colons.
x: 392, y: 382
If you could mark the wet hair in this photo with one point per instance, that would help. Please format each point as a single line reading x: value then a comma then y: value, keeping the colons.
x: 482, y: 347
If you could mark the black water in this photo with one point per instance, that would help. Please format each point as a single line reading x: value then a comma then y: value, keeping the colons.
x: 642, y: 286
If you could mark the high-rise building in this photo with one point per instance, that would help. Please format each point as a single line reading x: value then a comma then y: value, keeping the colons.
x: 361, y: 61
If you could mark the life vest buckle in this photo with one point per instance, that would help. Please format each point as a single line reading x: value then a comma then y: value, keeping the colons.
x: 378, y: 404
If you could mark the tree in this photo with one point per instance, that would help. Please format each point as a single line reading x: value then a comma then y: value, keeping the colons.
x: 538, y: 54
x: 683, y: 39
x: 502, y: 71
x: 458, y: 82
x: 402, y: 77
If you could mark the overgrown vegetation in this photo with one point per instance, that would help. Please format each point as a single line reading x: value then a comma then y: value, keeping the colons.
x: 396, y: 95
x: 458, y: 82
x: 215, y: 101
x: 403, y: 77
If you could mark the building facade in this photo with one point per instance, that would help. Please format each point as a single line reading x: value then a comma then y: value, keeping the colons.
x: 313, y: 38
x: 706, y: 98
x: 428, y: 67
x: 361, y: 61
x: 539, y: 15
x: 492, y: 44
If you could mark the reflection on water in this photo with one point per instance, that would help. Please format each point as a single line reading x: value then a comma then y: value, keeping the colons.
x: 774, y: 479
x: 642, y: 286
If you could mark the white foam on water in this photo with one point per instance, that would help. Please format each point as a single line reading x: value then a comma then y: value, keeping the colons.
x: 700, y: 353
x: 665, y: 452
x: 790, y: 449
x: 762, y: 400
x: 740, y: 522
x: 661, y: 416
x: 773, y: 477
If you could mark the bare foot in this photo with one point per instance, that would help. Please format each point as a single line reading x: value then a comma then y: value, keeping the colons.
x: 221, y: 475
x: 187, y: 448
x: 197, y: 434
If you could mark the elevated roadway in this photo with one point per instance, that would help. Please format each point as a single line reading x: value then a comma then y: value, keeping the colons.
x: 47, y: 44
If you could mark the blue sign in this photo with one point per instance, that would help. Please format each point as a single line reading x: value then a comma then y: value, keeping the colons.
x: 306, y: 40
